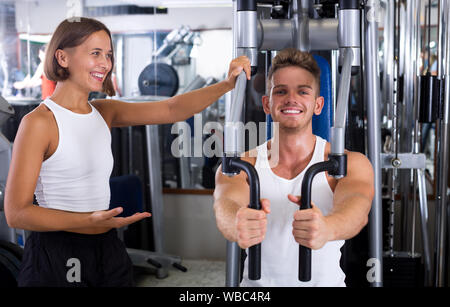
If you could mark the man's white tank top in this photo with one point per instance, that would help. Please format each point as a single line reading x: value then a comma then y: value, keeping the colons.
x: 76, y: 177
x: 279, y: 251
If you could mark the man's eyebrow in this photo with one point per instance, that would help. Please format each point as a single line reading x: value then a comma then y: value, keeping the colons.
x: 299, y: 86
x: 305, y: 85
x: 280, y: 85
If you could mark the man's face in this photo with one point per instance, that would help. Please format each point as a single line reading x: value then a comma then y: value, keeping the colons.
x: 293, y: 98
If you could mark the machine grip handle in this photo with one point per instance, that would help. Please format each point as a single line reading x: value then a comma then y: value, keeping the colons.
x: 304, y: 263
x: 304, y: 253
x: 254, y: 252
x: 254, y: 262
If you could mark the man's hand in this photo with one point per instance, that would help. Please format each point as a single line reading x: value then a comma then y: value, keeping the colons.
x: 251, y: 224
x: 108, y: 218
x: 236, y: 67
x: 310, y: 227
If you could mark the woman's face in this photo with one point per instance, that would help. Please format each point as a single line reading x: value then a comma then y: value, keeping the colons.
x: 90, y: 62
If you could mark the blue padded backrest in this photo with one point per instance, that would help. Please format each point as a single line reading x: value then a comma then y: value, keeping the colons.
x: 126, y: 192
x: 322, y: 123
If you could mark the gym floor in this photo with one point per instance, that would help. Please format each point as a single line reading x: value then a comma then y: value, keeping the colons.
x: 200, y: 273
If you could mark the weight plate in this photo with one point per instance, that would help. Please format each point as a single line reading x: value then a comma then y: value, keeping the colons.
x: 158, y: 79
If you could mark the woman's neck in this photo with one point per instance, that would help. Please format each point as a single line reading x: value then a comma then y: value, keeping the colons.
x: 69, y: 95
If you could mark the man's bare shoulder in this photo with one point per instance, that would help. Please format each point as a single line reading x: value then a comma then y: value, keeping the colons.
x: 352, y: 156
x: 250, y: 156
x: 221, y: 179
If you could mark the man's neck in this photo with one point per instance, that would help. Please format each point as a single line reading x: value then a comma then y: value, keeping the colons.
x: 294, y: 147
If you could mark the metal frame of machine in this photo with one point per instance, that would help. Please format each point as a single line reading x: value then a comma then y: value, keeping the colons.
x: 252, y: 35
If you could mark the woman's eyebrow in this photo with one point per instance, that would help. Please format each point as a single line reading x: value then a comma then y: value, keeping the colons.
x: 100, y: 49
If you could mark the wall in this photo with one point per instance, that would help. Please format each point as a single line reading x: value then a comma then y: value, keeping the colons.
x: 42, y: 17
x: 190, y: 229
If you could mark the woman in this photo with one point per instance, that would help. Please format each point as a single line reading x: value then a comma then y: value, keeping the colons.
x: 62, y: 154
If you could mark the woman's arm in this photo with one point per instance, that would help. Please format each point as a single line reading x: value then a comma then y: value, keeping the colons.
x: 31, y: 144
x: 177, y: 108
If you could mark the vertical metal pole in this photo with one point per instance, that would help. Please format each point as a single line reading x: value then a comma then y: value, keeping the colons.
x: 119, y: 56
x: 424, y: 225
x: 372, y: 88
x: 155, y: 185
x: 443, y: 158
x: 233, y: 250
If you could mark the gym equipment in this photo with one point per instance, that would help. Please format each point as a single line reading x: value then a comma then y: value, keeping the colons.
x: 251, y: 34
x: 151, y: 171
x: 336, y: 165
x: 244, y: 43
x: 185, y: 174
x: 10, y: 252
x: 442, y: 134
x: 429, y: 87
x: 10, y: 260
x: 231, y: 166
x: 160, y: 78
x: 126, y: 191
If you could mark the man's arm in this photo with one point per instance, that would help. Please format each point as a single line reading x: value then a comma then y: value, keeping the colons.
x: 234, y: 219
x: 352, y: 198
x: 230, y: 194
x: 352, y: 201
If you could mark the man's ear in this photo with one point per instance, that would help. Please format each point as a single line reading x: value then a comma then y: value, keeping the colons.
x: 320, y: 101
x: 266, y: 104
x: 62, y: 58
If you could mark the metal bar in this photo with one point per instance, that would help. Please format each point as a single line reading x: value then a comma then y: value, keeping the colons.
x: 338, y: 130
x: 372, y: 88
x: 155, y: 185
x: 443, y: 163
x: 406, y: 160
x: 233, y: 249
x: 233, y: 264
x: 423, y: 207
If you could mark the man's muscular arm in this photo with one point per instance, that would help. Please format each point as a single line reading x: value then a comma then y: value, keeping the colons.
x: 234, y: 219
x: 352, y: 201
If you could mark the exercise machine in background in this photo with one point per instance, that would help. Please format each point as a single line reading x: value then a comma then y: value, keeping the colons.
x: 11, y: 240
x: 391, y: 106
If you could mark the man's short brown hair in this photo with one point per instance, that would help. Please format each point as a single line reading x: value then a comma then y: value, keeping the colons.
x: 71, y: 34
x: 294, y: 57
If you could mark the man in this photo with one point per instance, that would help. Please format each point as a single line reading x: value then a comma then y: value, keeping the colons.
x: 340, y: 208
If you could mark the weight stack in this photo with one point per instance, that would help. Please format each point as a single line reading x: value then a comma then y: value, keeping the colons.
x: 403, y: 270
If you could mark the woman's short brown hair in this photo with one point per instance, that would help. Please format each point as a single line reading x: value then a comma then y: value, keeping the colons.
x: 72, y: 33
x: 294, y: 57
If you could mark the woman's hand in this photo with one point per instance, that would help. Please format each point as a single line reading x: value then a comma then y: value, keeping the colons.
x: 108, y: 218
x: 236, y: 66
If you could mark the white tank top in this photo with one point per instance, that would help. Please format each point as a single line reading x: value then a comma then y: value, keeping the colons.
x: 279, y: 251
x: 76, y: 177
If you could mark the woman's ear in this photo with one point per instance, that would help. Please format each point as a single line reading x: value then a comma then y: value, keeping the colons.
x: 62, y: 58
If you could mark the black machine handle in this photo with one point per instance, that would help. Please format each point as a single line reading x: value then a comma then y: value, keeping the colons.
x: 304, y: 257
x: 254, y: 252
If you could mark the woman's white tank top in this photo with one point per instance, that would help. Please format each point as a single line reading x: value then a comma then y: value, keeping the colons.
x: 76, y: 177
x: 279, y: 251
